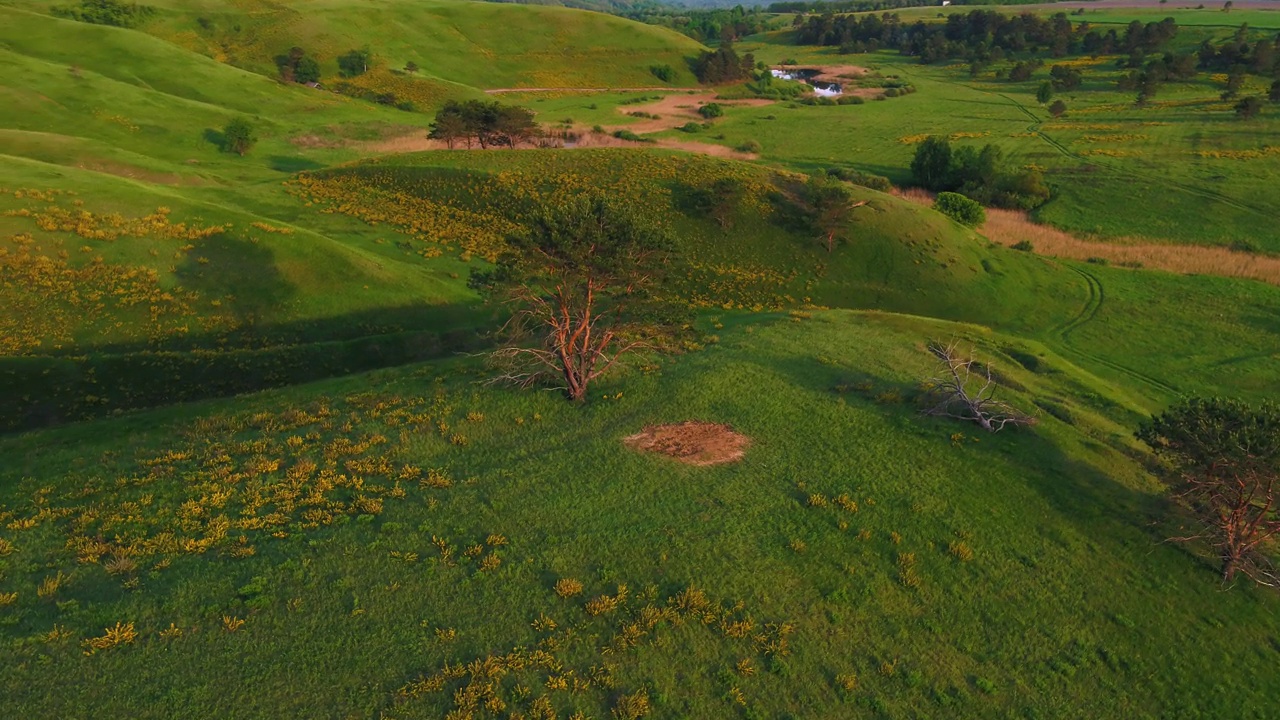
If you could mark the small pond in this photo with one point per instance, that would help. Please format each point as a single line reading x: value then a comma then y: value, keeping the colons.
x: 807, y: 75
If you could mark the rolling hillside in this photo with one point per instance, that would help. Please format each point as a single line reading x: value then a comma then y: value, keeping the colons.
x: 253, y: 466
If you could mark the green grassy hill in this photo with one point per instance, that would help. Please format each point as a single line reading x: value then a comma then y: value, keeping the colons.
x: 381, y: 533
x: 1019, y: 575
x: 477, y: 44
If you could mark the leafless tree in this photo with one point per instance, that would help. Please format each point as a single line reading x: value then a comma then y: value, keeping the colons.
x: 965, y: 389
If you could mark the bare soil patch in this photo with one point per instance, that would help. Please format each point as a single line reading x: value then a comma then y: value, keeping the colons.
x: 500, y: 91
x: 692, y: 442
x: 419, y: 142
x: 676, y: 110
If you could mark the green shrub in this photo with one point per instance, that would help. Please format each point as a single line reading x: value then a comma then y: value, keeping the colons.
x: 711, y: 110
x: 960, y: 208
x: 354, y: 62
x: 665, y: 73
x: 105, y: 12
x: 238, y: 137
x: 857, y: 177
x: 749, y: 146
x: 1023, y: 245
x: 690, y: 127
x: 629, y: 136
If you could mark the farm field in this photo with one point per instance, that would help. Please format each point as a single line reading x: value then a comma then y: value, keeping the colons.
x: 1120, y: 172
x: 257, y: 463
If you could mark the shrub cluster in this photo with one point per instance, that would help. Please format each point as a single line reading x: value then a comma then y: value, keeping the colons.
x: 979, y: 174
x: 105, y: 12
x: 857, y: 177
x: 960, y: 208
x: 297, y: 66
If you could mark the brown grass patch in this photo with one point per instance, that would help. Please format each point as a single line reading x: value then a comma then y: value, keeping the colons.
x: 1009, y: 227
x: 133, y: 172
x: 692, y: 442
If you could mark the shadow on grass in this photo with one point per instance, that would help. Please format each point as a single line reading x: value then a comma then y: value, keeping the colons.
x: 41, y: 391
x: 287, y: 164
x: 216, y: 138
x: 247, y: 275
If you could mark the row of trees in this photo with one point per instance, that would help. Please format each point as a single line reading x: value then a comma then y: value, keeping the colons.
x: 982, y: 175
x: 488, y: 123
x: 1261, y: 57
x: 981, y: 35
x: 724, y: 25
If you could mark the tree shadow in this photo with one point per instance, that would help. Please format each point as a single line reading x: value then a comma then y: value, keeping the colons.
x: 789, y: 215
x: 216, y: 138
x: 246, y: 275
x: 287, y: 164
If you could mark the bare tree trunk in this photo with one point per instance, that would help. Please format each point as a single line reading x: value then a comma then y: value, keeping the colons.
x: 1229, y: 568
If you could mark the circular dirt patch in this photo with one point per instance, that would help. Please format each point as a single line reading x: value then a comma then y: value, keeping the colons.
x: 692, y: 442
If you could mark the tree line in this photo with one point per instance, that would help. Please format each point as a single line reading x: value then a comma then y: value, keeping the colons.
x: 982, y: 35
x: 488, y: 123
x: 705, y: 25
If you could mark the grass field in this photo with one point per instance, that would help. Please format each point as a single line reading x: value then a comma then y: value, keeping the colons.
x: 370, y: 530
x: 1068, y: 604
x: 1182, y: 170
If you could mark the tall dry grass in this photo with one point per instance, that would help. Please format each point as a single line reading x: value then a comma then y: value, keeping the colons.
x: 1009, y: 227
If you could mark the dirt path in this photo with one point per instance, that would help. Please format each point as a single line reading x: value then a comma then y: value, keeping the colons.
x: 419, y: 142
x: 676, y: 110
x: 500, y: 91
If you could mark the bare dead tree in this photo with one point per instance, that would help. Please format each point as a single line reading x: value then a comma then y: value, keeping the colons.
x: 965, y: 389
x: 1224, y: 466
x: 580, y: 285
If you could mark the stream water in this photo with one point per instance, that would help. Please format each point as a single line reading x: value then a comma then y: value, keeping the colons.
x: 821, y: 88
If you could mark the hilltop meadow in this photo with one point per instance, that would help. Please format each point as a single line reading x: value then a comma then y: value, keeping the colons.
x: 265, y: 266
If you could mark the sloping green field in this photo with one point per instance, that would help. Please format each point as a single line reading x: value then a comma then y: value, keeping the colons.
x: 370, y: 529
x: 973, y: 577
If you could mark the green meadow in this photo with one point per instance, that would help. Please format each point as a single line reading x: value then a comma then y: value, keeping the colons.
x: 254, y: 466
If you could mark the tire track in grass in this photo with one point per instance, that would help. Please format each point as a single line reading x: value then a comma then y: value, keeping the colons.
x: 1123, y: 172
x: 1097, y: 295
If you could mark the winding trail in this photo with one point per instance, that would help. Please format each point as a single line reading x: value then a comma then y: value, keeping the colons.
x: 1093, y: 304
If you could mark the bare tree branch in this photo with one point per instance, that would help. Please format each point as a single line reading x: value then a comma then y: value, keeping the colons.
x: 954, y: 396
